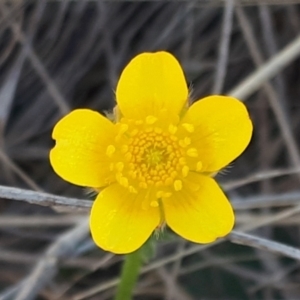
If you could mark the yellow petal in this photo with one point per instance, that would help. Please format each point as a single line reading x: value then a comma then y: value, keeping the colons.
x: 119, y: 223
x: 222, y: 131
x: 79, y: 156
x: 200, y: 216
x: 151, y: 83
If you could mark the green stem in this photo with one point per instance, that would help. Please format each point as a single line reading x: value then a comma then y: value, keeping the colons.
x: 129, y: 276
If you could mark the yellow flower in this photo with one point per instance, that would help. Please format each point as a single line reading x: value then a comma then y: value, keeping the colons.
x: 154, y: 164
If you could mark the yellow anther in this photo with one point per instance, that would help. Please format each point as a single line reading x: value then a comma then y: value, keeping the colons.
x: 192, y: 152
x: 154, y: 204
x: 159, y: 183
x: 134, y: 132
x: 182, y: 144
x: 123, y: 128
x: 151, y: 120
x: 199, y: 166
x: 172, y: 129
x: 107, y: 181
x: 157, y: 130
x: 118, y: 138
x: 143, y: 185
x: 173, y: 174
x: 188, y: 127
x: 167, y: 195
x: 152, y: 157
x: 124, y: 148
x: 124, y: 181
x: 159, y: 194
x: 133, y: 174
x: 170, y: 148
x: 185, y: 142
x: 177, y: 185
x: 110, y: 150
x: 185, y: 170
x: 119, y: 166
x: 118, y: 177
x: 132, y: 189
x: 148, y: 129
x: 182, y: 161
x: 128, y: 156
x: 153, y: 172
x: 169, y: 181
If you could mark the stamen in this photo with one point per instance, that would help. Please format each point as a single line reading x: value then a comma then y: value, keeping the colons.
x: 177, y: 185
x: 134, y: 132
x: 192, y: 152
x: 159, y: 194
x: 169, y: 181
x: 159, y: 183
x: 185, y: 170
x: 157, y: 130
x: 185, y: 142
x: 172, y: 129
x: 124, y: 148
x: 128, y: 156
x: 124, y: 181
x: 110, y: 150
x: 166, y: 195
x: 119, y: 166
x: 199, y: 166
x: 152, y: 156
x: 188, y: 127
x: 133, y: 174
x: 123, y: 128
x: 143, y: 185
x: 151, y: 120
x: 182, y: 161
x: 154, y: 204
x: 132, y: 189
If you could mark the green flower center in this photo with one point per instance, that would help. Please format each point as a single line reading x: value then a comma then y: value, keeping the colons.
x: 154, y: 157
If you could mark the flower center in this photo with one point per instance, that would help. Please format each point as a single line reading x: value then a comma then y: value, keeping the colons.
x: 154, y: 158
x: 150, y: 154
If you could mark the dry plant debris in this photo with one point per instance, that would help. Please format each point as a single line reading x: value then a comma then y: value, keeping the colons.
x: 59, y: 55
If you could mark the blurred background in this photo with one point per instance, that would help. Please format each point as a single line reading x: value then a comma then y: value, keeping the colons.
x: 58, y: 55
